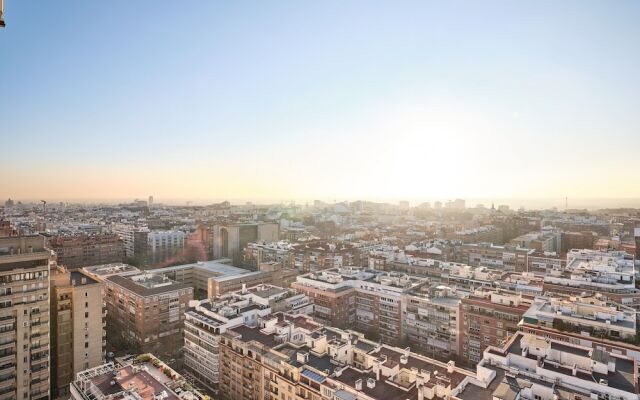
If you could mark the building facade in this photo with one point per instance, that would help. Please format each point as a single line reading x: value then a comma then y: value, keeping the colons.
x: 81, y: 250
x: 146, y: 311
x: 488, y: 317
x: 78, y: 322
x: 24, y: 318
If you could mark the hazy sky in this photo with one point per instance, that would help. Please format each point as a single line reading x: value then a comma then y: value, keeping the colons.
x: 319, y: 99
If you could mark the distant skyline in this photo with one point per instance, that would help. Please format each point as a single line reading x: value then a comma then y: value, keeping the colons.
x: 513, y: 203
x: 329, y: 100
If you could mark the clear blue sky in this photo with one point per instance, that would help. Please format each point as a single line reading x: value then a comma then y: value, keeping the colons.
x: 331, y: 99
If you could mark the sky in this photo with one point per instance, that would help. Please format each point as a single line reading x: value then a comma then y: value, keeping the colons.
x: 279, y: 100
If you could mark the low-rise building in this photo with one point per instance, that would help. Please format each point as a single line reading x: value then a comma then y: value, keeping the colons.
x: 533, y: 367
x: 611, y: 274
x: 133, y: 378
x: 285, y: 357
x: 501, y: 257
x: 592, y: 316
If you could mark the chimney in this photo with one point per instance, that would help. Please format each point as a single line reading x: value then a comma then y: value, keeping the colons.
x: 450, y: 366
x: 244, y: 288
x: 371, y: 383
x: 302, y: 357
x: 359, y: 384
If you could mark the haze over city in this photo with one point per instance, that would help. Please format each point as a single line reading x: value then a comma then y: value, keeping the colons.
x: 332, y: 100
x: 319, y: 200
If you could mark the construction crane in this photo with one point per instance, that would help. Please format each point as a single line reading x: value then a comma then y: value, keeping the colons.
x: 1, y: 13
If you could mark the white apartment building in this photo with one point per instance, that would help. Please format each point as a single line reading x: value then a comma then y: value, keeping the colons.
x: 206, y: 320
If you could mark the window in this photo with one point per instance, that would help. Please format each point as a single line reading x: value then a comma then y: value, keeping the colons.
x: 86, y: 314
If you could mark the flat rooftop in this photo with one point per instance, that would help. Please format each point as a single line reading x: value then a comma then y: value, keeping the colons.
x: 145, y: 383
x: 147, y: 284
x: 79, y: 279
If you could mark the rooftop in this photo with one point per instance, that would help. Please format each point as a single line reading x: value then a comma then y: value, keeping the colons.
x: 147, y: 284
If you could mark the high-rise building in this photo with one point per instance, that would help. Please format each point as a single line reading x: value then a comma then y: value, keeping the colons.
x: 146, y: 311
x: 77, y: 326
x: 24, y: 318
x: 231, y: 239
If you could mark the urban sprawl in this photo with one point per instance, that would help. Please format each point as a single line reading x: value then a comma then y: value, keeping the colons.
x: 333, y: 301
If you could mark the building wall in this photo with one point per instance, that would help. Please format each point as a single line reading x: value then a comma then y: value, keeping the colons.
x: 152, y: 323
x: 483, y: 323
x: 77, y: 326
x: 330, y: 308
x: 83, y: 250
x: 24, y: 318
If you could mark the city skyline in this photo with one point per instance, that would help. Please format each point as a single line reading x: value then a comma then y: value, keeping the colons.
x: 334, y: 101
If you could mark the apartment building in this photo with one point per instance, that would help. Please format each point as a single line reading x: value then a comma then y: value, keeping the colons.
x: 541, y: 263
x: 102, y: 272
x: 207, y: 319
x: 590, y: 316
x: 487, y: 318
x: 577, y: 240
x: 78, y: 322
x: 267, y: 252
x: 81, y: 250
x: 6, y: 229
x: 163, y: 245
x: 316, y: 255
x: 134, y: 238
x: 144, y: 377
x: 546, y: 240
x: 229, y: 240
x: 506, y: 257
x: 24, y: 318
x: 146, y: 311
x: 431, y: 318
x: 368, y: 300
x: 286, y: 358
x: 522, y: 282
x: 611, y: 274
x: 333, y: 306
x: 533, y: 367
